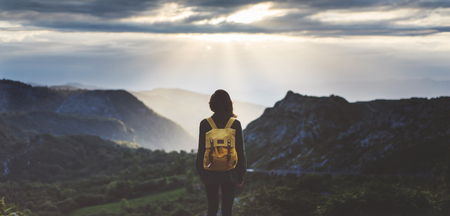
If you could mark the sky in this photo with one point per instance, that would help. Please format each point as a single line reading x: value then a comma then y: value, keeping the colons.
x: 256, y: 50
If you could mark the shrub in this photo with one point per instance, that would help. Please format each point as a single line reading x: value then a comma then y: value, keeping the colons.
x: 180, y: 211
x: 6, y: 210
x: 277, y: 201
x: 376, y: 198
x: 48, y: 206
x: 85, y: 200
x: 119, y: 189
x: 67, y: 205
x: 124, y: 206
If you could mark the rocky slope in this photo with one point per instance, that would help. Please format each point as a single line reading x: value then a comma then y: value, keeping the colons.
x: 110, y: 114
x: 39, y: 122
x: 328, y: 134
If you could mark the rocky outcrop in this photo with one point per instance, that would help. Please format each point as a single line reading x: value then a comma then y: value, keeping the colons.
x: 329, y: 134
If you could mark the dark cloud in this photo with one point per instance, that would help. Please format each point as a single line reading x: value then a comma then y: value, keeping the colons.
x: 221, y: 3
x: 323, y: 4
x: 104, y: 15
x: 101, y: 8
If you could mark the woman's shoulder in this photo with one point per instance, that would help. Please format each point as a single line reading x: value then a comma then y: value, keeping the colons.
x: 236, y: 124
x: 204, y: 124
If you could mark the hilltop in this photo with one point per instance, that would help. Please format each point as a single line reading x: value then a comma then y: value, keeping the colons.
x: 329, y: 134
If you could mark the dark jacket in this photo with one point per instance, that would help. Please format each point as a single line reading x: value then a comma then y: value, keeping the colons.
x: 237, y: 174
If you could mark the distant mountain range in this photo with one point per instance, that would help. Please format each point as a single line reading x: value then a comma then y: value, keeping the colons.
x: 380, y: 89
x: 329, y: 134
x: 110, y: 114
x: 189, y: 108
x: 68, y: 86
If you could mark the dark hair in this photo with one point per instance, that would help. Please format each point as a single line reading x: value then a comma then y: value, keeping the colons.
x: 220, y: 103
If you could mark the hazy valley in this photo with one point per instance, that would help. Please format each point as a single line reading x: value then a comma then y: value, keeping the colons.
x: 189, y: 108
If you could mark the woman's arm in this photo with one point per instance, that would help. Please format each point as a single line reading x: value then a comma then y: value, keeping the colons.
x: 201, y: 149
x: 240, y: 149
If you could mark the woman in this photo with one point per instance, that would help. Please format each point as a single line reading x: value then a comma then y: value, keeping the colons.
x: 220, y: 103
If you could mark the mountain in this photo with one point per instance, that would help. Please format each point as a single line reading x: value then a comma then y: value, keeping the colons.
x: 329, y: 134
x: 68, y: 86
x: 189, y: 108
x: 75, y: 86
x: 110, y: 114
x: 380, y: 89
x: 39, y: 122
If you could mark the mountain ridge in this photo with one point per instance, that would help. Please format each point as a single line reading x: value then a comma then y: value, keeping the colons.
x: 118, y: 109
x: 330, y: 134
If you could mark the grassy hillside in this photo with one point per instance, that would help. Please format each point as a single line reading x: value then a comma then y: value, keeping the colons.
x: 132, y: 203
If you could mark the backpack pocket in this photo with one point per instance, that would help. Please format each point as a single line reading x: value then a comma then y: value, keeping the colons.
x: 220, y: 160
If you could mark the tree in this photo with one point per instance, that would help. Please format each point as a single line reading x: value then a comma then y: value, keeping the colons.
x: 8, y: 211
x: 188, y: 183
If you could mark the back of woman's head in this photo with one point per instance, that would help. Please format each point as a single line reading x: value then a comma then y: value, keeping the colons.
x: 220, y: 103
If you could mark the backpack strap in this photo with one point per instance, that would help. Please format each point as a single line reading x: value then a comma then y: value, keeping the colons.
x: 213, y: 126
x: 229, y: 153
x: 211, y: 157
x: 230, y: 122
x: 211, y: 122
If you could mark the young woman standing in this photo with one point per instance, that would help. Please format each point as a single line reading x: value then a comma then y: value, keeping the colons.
x: 222, y: 106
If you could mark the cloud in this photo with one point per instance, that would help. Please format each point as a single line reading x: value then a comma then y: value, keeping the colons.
x: 99, y: 8
x: 321, y: 18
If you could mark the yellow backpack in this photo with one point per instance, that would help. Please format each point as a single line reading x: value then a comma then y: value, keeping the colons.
x: 220, y: 154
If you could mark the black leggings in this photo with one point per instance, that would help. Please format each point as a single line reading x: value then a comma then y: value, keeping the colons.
x: 212, y: 193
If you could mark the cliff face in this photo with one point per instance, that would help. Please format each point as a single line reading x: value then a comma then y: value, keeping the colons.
x: 329, y: 134
x: 109, y: 114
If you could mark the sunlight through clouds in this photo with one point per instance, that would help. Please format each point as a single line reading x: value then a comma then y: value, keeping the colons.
x: 248, y: 46
x: 255, y: 13
x: 242, y: 37
x: 252, y: 14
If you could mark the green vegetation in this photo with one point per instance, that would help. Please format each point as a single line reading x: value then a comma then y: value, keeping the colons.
x: 60, y: 174
x: 128, y: 205
x: 81, y: 175
x: 8, y: 210
x: 317, y: 195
